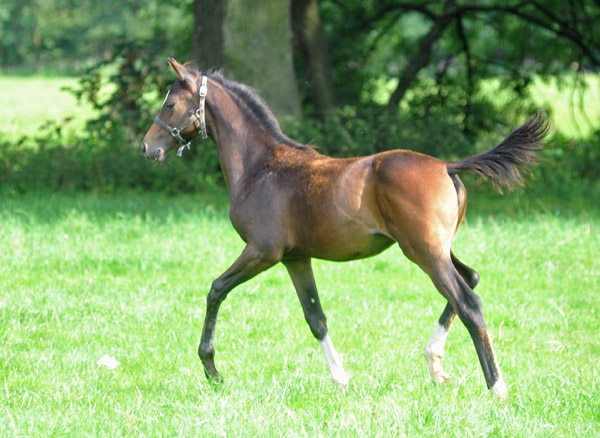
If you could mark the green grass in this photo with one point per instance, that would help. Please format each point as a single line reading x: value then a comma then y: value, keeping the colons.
x: 86, y: 275
x: 575, y: 114
x: 29, y: 102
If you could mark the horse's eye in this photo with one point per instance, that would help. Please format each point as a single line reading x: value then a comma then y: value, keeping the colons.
x: 169, y: 105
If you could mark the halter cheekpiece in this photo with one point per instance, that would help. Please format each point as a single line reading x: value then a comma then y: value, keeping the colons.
x: 197, y: 117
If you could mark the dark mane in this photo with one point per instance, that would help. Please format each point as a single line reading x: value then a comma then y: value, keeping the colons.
x: 257, y: 106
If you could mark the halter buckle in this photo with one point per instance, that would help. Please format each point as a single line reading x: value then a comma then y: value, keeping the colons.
x: 203, y: 90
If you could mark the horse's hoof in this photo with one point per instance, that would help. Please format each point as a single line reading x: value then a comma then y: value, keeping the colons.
x: 500, y: 390
x: 211, y: 373
x: 340, y: 379
x: 213, y: 378
x: 441, y: 377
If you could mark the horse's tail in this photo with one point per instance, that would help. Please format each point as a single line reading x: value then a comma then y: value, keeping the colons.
x: 505, y: 164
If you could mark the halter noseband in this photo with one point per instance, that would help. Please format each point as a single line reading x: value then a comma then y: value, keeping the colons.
x: 196, y: 117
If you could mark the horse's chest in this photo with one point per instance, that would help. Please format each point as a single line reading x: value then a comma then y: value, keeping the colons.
x: 257, y: 213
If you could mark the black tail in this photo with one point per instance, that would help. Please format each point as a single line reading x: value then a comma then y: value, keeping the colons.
x: 505, y: 164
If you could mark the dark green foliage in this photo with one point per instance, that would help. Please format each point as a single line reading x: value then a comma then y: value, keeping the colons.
x: 63, y: 35
x: 572, y: 162
x: 105, y: 156
x: 374, y: 130
x: 55, y: 161
x: 447, y: 110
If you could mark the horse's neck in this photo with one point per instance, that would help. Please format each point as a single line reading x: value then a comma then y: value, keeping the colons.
x: 240, y: 144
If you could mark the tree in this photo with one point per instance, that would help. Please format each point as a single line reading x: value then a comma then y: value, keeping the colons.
x: 208, y: 47
x: 309, y: 37
x: 252, y: 42
x: 65, y: 34
x: 435, y: 58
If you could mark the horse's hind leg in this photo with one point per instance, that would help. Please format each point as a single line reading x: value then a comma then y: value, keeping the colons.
x: 434, y: 350
x: 468, y: 306
x: 300, y: 271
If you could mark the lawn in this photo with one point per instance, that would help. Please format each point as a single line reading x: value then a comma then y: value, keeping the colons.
x: 83, y: 275
x: 575, y: 112
x: 126, y: 275
x: 27, y: 103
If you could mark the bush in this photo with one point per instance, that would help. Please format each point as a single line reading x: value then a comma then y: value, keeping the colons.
x: 105, y: 157
x: 61, y: 163
x: 127, y: 90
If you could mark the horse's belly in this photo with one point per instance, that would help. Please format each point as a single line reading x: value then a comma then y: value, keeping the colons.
x: 338, y: 247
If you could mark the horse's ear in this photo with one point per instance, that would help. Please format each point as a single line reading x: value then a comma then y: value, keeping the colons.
x: 182, y: 73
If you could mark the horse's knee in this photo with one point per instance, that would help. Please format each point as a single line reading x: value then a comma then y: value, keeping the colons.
x: 217, y: 293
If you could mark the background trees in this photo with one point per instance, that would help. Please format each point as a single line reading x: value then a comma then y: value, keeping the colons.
x: 253, y: 42
x: 354, y: 76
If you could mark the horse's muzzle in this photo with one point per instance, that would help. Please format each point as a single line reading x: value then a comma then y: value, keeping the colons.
x: 158, y: 155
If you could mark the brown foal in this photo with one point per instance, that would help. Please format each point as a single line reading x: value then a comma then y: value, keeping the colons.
x: 290, y: 203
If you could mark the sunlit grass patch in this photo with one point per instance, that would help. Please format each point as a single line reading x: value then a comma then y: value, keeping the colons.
x: 127, y: 275
x: 28, y: 103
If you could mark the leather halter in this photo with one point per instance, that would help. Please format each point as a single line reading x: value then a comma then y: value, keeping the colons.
x: 197, y: 117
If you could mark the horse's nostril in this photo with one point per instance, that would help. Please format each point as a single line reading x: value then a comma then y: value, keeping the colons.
x: 144, y: 147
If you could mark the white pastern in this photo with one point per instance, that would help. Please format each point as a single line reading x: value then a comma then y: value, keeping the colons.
x: 338, y: 374
x: 500, y: 390
x: 434, y: 351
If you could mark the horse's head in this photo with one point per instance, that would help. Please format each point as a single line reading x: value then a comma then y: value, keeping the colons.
x: 181, y: 117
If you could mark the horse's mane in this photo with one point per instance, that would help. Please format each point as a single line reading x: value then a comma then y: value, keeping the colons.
x: 256, y: 105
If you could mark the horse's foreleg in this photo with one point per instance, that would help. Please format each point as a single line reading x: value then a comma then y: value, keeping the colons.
x: 434, y: 350
x: 302, y: 276
x: 250, y: 263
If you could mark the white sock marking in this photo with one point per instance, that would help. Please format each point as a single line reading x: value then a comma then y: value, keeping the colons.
x: 338, y: 374
x: 434, y: 351
x: 500, y: 389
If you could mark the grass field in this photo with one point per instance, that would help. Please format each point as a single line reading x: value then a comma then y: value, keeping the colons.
x: 575, y: 114
x: 28, y: 103
x: 86, y: 275
x: 126, y: 275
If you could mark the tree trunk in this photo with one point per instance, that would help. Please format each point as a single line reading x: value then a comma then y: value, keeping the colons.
x: 207, y: 39
x: 258, y: 51
x: 252, y: 42
x: 309, y: 35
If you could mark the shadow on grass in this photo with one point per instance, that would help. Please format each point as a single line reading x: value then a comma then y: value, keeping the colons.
x: 567, y: 201
x: 50, y: 207
x: 575, y: 201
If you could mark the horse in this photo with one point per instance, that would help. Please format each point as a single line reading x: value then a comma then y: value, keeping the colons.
x: 290, y: 204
